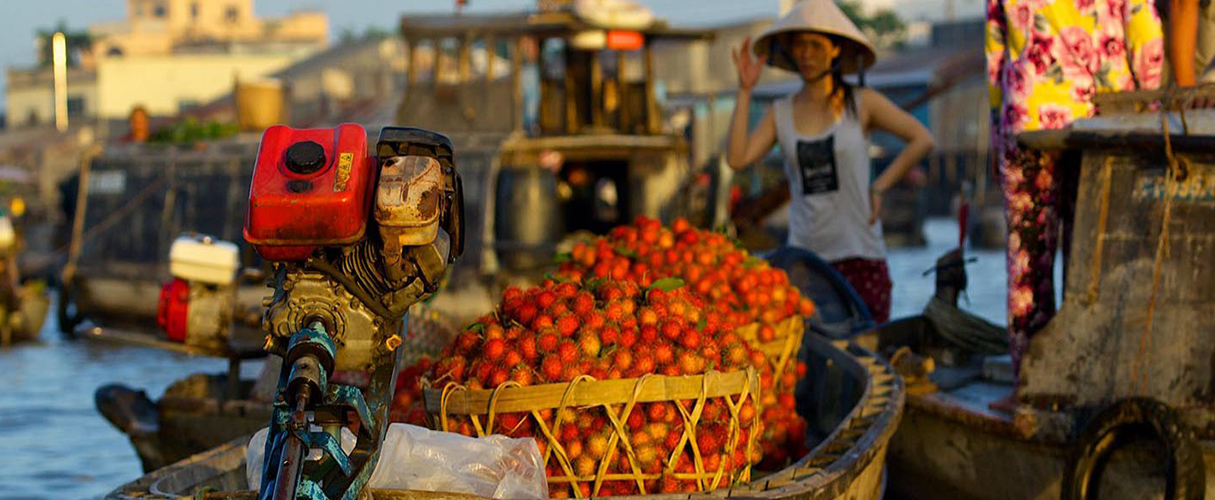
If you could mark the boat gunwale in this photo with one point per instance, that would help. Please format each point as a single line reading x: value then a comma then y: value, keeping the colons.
x: 803, y: 481
x: 860, y: 437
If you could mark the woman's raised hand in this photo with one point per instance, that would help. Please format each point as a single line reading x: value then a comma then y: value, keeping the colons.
x: 749, y: 68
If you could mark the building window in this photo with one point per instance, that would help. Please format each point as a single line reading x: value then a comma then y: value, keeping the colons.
x: 159, y: 10
x: 232, y: 14
x: 75, y: 106
x: 114, y: 52
x: 194, y: 10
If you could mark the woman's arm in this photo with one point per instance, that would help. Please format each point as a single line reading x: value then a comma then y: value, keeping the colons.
x: 881, y: 114
x: 741, y: 149
x: 1183, y: 35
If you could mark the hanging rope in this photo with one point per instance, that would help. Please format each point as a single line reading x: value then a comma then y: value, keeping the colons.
x: 1139, y: 374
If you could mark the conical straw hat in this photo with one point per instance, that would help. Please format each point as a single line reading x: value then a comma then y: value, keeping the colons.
x: 819, y: 16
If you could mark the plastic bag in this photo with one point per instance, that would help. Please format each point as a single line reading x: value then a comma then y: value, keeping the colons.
x: 416, y: 458
x: 257, y: 450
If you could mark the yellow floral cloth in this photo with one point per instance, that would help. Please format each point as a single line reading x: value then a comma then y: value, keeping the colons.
x: 1047, y: 58
x: 1045, y: 61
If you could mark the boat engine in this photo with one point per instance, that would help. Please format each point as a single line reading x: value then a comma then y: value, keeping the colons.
x: 354, y: 240
x: 196, y: 306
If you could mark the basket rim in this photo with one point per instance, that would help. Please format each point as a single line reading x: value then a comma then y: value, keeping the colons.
x: 588, y: 391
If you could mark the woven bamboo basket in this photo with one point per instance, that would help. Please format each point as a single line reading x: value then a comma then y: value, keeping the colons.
x: 551, y: 405
x: 782, y: 351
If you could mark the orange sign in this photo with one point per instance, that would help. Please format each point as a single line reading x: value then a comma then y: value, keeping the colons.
x: 624, y: 40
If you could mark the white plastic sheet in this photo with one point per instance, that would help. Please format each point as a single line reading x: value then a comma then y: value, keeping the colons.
x: 416, y: 458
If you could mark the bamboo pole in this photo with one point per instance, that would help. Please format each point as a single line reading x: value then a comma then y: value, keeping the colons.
x: 516, y: 83
x: 622, y: 93
x: 596, y: 91
x: 571, y: 104
x: 651, y: 104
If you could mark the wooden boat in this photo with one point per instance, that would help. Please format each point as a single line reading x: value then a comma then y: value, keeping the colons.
x: 202, y: 411
x: 25, y: 323
x: 194, y: 414
x: 128, y: 203
x: 1115, y: 394
x: 594, y: 156
x: 861, y: 404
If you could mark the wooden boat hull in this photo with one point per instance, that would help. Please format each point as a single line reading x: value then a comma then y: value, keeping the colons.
x: 936, y: 455
x: 951, y: 445
x: 847, y: 463
x: 33, y: 304
x: 192, y: 416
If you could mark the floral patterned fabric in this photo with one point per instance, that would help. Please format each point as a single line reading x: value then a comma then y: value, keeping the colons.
x: 871, y: 280
x: 1046, y: 59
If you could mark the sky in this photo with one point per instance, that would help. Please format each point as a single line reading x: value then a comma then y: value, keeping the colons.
x: 21, y: 18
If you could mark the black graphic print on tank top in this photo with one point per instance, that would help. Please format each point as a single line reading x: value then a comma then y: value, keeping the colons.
x: 816, y: 164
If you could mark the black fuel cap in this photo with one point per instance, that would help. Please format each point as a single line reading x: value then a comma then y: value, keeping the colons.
x: 305, y: 157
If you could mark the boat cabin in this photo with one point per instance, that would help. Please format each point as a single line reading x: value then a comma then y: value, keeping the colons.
x: 570, y: 104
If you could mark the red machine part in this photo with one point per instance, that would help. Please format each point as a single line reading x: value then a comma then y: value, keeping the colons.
x: 172, y: 309
x: 311, y: 187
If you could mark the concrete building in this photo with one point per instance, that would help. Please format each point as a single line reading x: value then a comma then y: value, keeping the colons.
x: 31, y: 96
x: 159, y: 27
x: 168, y: 55
x: 166, y: 85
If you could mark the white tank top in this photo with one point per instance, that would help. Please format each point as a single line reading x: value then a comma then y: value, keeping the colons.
x: 829, y: 176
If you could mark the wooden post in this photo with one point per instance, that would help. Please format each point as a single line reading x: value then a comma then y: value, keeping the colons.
x: 542, y: 104
x: 411, y: 71
x: 622, y: 93
x: 571, y: 104
x: 436, y: 63
x: 651, y: 104
x: 596, y: 91
x: 491, y: 53
x: 516, y: 83
x: 465, y: 60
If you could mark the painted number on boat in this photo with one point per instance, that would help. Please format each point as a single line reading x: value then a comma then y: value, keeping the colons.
x: 1198, y: 186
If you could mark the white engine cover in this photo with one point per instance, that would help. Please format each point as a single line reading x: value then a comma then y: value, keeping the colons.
x: 204, y: 259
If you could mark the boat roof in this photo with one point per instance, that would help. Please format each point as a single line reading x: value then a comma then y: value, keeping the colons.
x: 517, y: 24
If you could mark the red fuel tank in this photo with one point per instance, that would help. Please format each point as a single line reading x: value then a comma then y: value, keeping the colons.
x: 172, y: 309
x: 311, y: 187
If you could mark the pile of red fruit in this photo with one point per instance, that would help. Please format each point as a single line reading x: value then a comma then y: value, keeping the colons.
x: 644, y: 299
x: 743, y: 286
x: 607, y: 329
x: 746, y: 288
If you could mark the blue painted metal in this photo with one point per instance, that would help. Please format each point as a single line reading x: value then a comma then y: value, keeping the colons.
x: 353, y: 397
x: 331, y: 447
x: 336, y: 475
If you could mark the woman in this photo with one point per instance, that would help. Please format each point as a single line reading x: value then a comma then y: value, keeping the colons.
x: 823, y: 133
x: 1045, y: 62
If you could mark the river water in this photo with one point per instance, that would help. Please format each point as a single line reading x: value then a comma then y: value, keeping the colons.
x: 54, y: 445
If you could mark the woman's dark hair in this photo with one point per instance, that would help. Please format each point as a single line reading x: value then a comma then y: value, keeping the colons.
x: 841, y: 89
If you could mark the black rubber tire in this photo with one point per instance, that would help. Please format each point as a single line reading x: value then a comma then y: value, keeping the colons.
x: 1186, y: 479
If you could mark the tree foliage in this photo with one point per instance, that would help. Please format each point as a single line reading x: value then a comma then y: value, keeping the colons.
x: 75, y: 41
x: 883, y: 27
